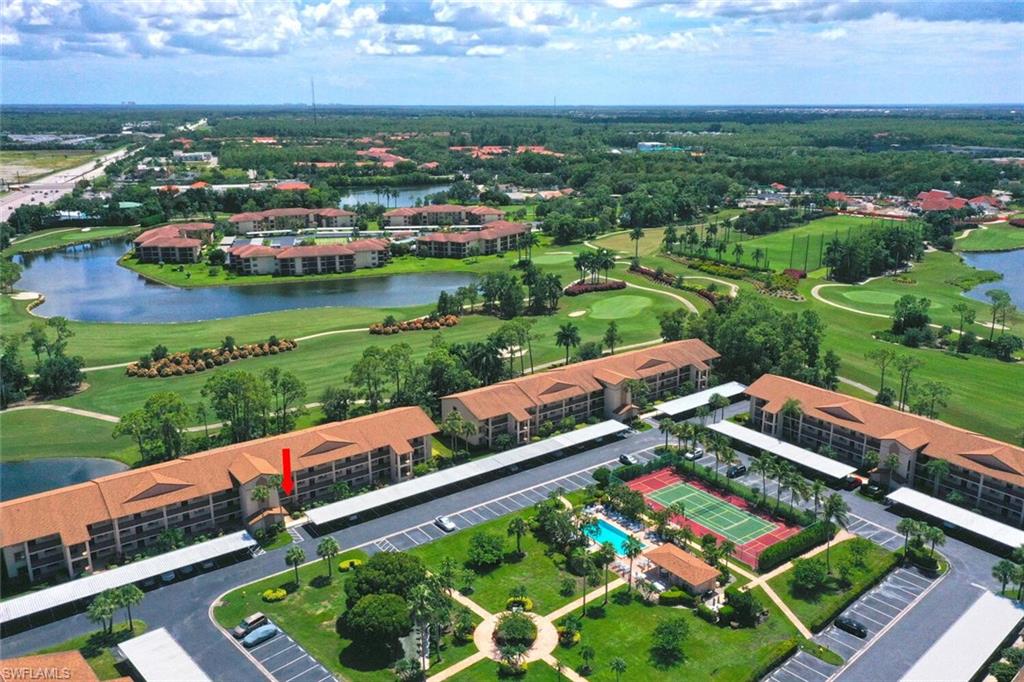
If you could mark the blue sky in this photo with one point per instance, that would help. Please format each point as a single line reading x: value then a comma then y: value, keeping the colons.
x: 500, y: 52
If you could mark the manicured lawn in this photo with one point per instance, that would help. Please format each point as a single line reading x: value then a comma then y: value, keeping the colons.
x: 309, y: 614
x: 815, y: 610
x: 540, y: 571
x: 800, y: 246
x: 619, y: 307
x: 65, y: 236
x: 35, y: 434
x: 487, y: 671
x: 711, y: 652
x: 997, y: 237
x: 95, y: 647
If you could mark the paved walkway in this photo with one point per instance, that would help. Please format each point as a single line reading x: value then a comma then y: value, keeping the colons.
x: 68, y: 410
x: 547, y: 637
x: 596, y: 595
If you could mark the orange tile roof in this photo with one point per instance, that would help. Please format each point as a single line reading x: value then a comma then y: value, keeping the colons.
x: 494, y: 230
x: 203, y: 473
x: 934, y: 438
x: 62, y: 665
x: 516, y: 395
x: 681, y: 564
x: 174, y: 235
x: 288, y: 212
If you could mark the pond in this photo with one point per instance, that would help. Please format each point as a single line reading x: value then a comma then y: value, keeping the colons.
x: 1010, y: 264
x: 407, y: 196
x: 85, y: 283
x: 35, y: 476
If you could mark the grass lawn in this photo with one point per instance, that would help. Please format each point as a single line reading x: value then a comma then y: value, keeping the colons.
x: 36, y: 434
x: 25, y: 165
x: 711, y: 652
x: 997, y: 237
x: 309, y: 614
x: 95, y: 647
x: 57, y: 238
x: 788, y: 248
x: 816, y: 610
x: 539, y: 571
x: 487, y: 671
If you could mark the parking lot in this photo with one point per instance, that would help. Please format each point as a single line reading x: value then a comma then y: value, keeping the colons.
x: 876, y: 609
x: 286, y: 661
x: 426, y: 532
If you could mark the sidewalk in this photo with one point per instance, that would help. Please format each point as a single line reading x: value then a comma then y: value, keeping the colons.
x: 597, y: 594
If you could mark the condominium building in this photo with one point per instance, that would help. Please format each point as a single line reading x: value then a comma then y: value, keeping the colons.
x: 178, y: 243
x: 595, y: 388
x: 258, y: 259
x: 441, y: 214
x: 499, y: 236
x: 79, y: 528
x: 292, y: 219
x: 984, y: 473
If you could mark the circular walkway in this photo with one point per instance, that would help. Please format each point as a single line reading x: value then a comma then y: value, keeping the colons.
x: 547, y: 638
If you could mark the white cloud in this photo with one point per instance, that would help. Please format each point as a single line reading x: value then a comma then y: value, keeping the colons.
x: 624, y: 23
x: 833, y: 33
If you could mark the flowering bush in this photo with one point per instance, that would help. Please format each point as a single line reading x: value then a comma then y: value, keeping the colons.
x: 521, y: 603
x: 586, y: 287
x: 393, y: 327
x: 274, y: 594
x: 202, y: 359
x: 349, y: 564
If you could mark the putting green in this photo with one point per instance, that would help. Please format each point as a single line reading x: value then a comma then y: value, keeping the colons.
x: 553, y: 258
x: 619, y: 307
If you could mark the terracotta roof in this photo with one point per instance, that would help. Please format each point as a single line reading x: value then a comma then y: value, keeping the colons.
x: 252, y: 251
x: 443, y: 208
x: 204, y: 473
x: 494, y: 230
x: 313, y: 250
x: 291, y: 185
x: 309, y: 251
x: 681, y: 564
x: 199, y: 184
x: 288, y: 212
x: 264, y: 513
x: 934, y: 438
x: 837, y: 196
x: 169, y: 236
x: 515, y: 396
x: 70, y: 666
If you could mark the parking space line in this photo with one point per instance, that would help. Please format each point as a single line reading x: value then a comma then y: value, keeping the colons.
x: 279, y: 653
x: 857, y: 613
x: 501, y: 503
x: 804, y: 665
x: 879, y: 605
x: 272, y: 641
x: 299, y: 658
x: 315, y: 665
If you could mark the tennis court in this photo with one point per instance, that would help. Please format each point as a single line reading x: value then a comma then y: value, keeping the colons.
x: 713, y: 513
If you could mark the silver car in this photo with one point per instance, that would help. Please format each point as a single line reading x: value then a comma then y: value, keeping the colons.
x: 445, y: 524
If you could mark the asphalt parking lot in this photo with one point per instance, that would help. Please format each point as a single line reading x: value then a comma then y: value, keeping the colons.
x: 477, y: 514
x: 286, y: 661
x: 876, y: 609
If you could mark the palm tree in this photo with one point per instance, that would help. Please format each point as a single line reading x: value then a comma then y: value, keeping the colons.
x: 907, y: 527
x: 678, y: 508
x: 687, y: 536
x: 937, y: 469
x: 635, y: 235
x: 295, y: 558
x: 666, y: 426
x: 1003, y: 571
x: 587, y: 653
x: 604, y: 558
x: 728, y: 457
x: 935, y: 537
x: 327, y: 550
x: 737, y: 250
x: 101, y: 610
x: 762, y: 465
x: 799, y: 490
x: 633, y: 548
x: 726, y: 550
x: 604, y: 260
x: 817, y: 493
x: 568, y: 335
x: 618, y: 666
x: 260, y: 493
x: 834, y: 511
x: 612, y: 337
x: 792, y: 410
x: 757, y: 256
x: 421, y: 603
x: 126, y: 597
x: 784, y: 473
x: 530, y: 240
x: 518, y: 527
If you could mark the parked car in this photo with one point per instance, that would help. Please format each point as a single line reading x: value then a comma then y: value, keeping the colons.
x: 628, y: 460
x: 850, y: 483
x: 445, y: 524
x: 260, y: 635
x: 187, y: 570
x: 248, y: 624
x: 736, y: 470
x: 693, y: 456
x: 873, y: 490
x: 854, y: 627
x: 207, y: 565
x: 167, y: 577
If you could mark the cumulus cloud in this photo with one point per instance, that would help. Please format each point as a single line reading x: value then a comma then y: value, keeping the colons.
x: 818, y: 11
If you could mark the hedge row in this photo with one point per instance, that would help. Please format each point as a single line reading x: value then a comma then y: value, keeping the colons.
x: 818, y: 624
x: 781, y: 552
x: 585, y: 288
x: 778, y: 655
x: 677, y: 597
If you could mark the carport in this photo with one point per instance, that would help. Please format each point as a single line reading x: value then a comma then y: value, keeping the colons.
x: 63, y: 596
x: 965, y: 647
x: 975, y: 523
x: 780, y: 448
x: 689, y: 403
x: 434, y: 482
x: 156, y: 657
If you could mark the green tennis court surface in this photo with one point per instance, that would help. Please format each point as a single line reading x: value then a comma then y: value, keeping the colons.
x: 714, y: 514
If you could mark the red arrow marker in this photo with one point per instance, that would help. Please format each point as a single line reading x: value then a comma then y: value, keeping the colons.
x: 286, y: 471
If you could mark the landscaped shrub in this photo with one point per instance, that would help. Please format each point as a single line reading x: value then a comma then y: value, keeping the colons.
x: 775, y: 657
x: 677, y: 597
x: 726, y: 615
x: 851, y: 596
x: 391, y: 326
x: 587, y: 287
x: 509, y: 670
x: 274, y: 594
x: 164, y: 364
x: 707, y: 613
x: 519, y: 603
x: 919, y: 556
x: 515, y: 629
x: 349, y: 564
x: 781, y: 552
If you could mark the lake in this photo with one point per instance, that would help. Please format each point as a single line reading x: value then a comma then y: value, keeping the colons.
x: 1010, y: 264
x: 407, y: 196
x: 18, y: 479
x: 85, y: 283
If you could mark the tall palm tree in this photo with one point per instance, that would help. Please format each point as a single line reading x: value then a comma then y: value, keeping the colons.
x: 726, y: 549
x: 604, y: 557
x: 817, y: 494
x: 687, y: 536
x: 666, y: 426
x: 907, y: 527
x: 799, y: 490
x: 295, y: 558
x: 937, y: 470
x: 935, y: 537
x: 421, y: 603
x: 762, y: 465
x: 618, y: 666
x: 327, y: 550
x: 834, y: 511
x: 784, y: 473
x: 635, y: 235
x: 728, y: 456
x: 678, y: 508
x: 633, y: 548
x: 518, y: 527
x: 126, y: 597
x: 568, y: 335
x: 1003, y: 571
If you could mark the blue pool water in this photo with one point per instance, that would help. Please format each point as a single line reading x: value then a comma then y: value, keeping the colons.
x: 606, y: 532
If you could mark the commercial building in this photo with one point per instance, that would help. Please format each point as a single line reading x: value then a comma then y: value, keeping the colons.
x: 440, y: 214
x: 180, y: 243
x: 599, y: 388
x: 259, y: 259
x: 292, y: 219
x: 984, y: 473
x: 498, y: 237
x: 79, y: 528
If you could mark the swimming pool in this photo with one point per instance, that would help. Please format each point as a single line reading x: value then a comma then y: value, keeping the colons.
x: 605, y: 532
